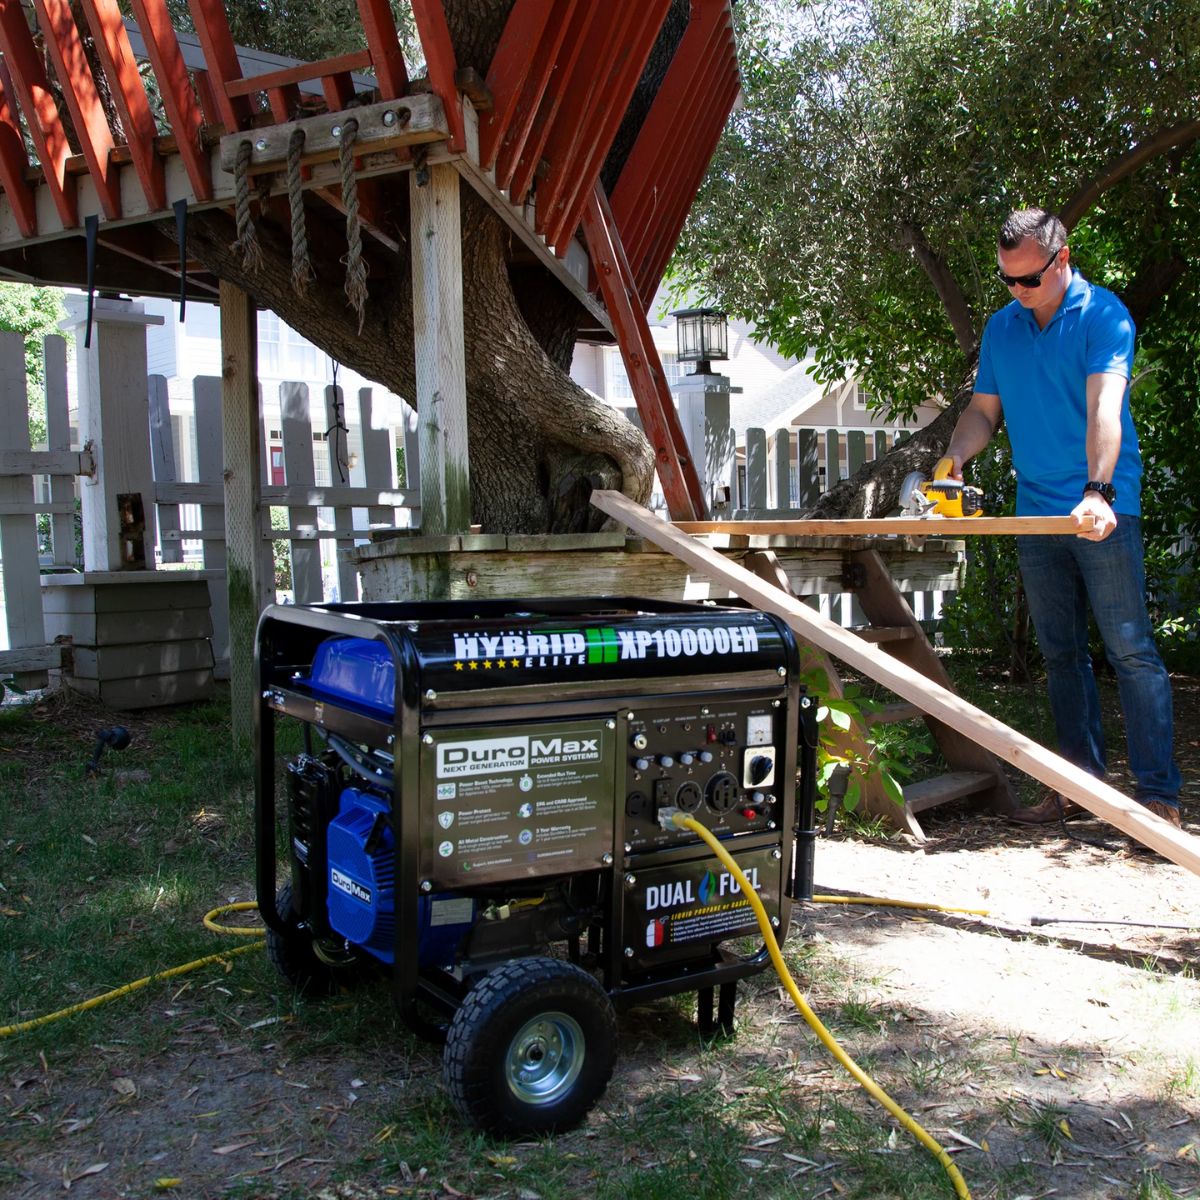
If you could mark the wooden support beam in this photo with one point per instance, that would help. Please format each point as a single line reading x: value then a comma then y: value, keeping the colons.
x: 604, y: 119
x: 32, y: 89
x: 441, y: 399
x: 380, y: 28
x: 14, y: 162
x: 220, y: 55
x: 413, y: 121
x: 890, y: 526
x: 179, y: 101
x: 1009, y: 745
x: 515, y: 59
x: 521, y: 147
x: 129, y: 95
x: 250, y: 572
x: 656, y: 407
x: 65, y: 48
x: 632, y: 197
x: 300, y: 73
x: 440, y: 63
x: 566, y: 143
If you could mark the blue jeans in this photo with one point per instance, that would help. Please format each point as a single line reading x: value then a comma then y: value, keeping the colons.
x: 1063, y: 575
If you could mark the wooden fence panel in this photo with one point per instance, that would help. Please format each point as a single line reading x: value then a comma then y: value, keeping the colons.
x: 756, y: 470
x: 206, y: 402
x: 779, y: 455
x: 163, y: 463
x: 58, y: 437
x: 299, y: 471
x: 378, y: 463
x: 18, y: 526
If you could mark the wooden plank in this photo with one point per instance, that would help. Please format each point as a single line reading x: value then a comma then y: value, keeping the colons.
x: 112, y: 592
x: 61, y: 463
x: 378, y: 460
x: 891, y: 526
x: 931, y: 698
x: 440, y: 64
x: 380, y: 28
x: 288, y: 76
x: 206, y: 407
x: 251, y: 576
x: 14, y: 161
x: 441, y: 383
x: 147, y: 658
x: 162, y: 461
x: 299, y: 469
x: 18, y: 533
x: 779, y: 463
x: 65, y: 48
x: 117, y: 60
x: 655, y: 404
x: 179, y: 101
x: 956, y: 785
x: 510, y: 66
x: 36, y: 99
x: 58, y: 438
x: 120, y: 629
x: 149, y: 691
x: 36, y: 660
x: 757, y: 495
x: 414, y: 121
x: 220, y: 55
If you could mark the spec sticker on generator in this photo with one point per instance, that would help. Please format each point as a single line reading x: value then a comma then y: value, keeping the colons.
x: 505, y: 801
x: 675, y: 907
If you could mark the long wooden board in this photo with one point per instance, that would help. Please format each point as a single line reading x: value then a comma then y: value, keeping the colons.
x: 1006, y: 743
x: 880, y: 526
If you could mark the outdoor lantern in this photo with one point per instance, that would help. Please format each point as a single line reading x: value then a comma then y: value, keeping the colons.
x: 701, y: 335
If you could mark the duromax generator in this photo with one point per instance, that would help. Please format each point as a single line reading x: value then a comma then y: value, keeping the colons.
x: 474, y: 813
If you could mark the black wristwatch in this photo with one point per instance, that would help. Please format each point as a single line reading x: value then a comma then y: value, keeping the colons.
x: 1105, y: 489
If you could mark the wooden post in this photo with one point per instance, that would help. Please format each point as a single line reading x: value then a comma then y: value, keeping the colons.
x: 440, y: 358
x: 18, y: 528
x: 114, y: 415
x: 206, y: 406
x: 250, y: 570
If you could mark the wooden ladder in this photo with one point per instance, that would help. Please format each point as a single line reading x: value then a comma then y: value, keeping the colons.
x: 975, y: 772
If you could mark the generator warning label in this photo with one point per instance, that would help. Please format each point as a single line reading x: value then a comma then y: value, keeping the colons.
x: 525, y: 801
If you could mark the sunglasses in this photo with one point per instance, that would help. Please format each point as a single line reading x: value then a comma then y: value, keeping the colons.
x: 1027, y: 281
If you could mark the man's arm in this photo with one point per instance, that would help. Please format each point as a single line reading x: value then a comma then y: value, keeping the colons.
x: 974, y: 430
x: 1105, y: 396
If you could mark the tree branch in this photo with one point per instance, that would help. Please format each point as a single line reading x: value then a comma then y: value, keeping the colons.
x: 1158, y: 143
x: 949, y: 293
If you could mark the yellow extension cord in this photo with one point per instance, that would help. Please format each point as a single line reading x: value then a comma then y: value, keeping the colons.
x: 137, y: 984
x: 764, y: 924
x: 827, y: 1039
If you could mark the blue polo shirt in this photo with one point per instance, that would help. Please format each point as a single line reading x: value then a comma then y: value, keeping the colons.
x: 1040, y: 376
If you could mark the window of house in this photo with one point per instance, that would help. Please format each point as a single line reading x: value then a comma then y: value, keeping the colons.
x: 617, y: 385
x: 284, y: 354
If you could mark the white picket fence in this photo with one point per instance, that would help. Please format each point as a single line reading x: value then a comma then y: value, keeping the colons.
x: 38, y: 506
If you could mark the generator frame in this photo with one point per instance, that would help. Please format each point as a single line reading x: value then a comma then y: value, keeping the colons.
x: 287, y: 641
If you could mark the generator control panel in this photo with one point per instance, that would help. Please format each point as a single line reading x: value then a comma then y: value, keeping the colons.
x: 719, y: 762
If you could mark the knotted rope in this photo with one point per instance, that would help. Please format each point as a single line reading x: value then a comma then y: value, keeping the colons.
x: 247, y: 235
x: 356, y: 269
x: 302, y: 270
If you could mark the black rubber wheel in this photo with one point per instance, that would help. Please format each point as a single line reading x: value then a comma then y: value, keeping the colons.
x: 296, y: 958
x: 531, y: 1048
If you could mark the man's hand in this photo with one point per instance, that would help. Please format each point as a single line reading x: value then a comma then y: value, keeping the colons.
x: 1104, y: 520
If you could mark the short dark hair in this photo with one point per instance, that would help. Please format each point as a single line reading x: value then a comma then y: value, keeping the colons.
x: 1045, y: 229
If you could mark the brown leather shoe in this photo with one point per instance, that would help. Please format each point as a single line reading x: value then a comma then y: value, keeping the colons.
x: 1052, y: 807
x: 1168, y: 812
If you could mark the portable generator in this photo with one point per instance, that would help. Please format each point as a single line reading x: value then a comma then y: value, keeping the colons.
x: 473, y: 815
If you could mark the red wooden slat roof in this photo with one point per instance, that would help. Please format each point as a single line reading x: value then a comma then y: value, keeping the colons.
x: 560, y: 81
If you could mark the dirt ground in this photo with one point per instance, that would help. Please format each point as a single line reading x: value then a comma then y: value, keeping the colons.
x: 1069, y: 1049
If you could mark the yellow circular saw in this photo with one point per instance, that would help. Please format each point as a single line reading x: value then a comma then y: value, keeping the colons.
x: 940, y: 496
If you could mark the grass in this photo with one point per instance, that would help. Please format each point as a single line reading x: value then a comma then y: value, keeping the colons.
x: 105, y: 880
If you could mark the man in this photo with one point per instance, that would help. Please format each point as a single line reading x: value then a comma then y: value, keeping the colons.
x: 1056, y: 364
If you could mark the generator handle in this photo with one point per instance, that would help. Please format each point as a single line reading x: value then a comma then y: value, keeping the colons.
x: 800, y: 884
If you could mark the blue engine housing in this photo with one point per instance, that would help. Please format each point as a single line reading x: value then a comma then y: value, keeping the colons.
x: 362, y: 887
